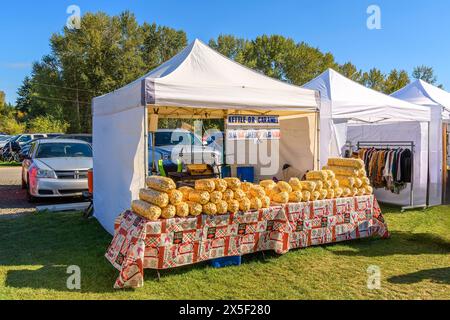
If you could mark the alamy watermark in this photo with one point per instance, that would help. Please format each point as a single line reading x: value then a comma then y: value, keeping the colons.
x: 74, y: 20
x: 374, y: 20
x: 373, y: 277
x: 74, y: 280
x: 256, y: 147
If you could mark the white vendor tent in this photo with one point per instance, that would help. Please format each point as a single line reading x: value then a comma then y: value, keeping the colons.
x: 353, y: 112
x: 196, y: 83
x: 438, y: 101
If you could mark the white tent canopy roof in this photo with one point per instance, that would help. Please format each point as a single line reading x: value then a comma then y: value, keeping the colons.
x: 425, y: 94
x: 197, y: 82
x: 352, y: 101
x: 438, y: 101
x: 200, y: 77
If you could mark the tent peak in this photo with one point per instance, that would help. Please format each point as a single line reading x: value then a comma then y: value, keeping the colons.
x: 423, y: 93
x: 351, y: 99
x: 197, y: 40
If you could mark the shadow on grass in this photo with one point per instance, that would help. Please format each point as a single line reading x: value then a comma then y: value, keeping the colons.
x: 262, y: 257
x: 38, y: 249
x: 50, y: 243
x: 400, y: 243
x: 439, y: 275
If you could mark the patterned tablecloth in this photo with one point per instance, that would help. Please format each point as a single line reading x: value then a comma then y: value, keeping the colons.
x: 139, y: 243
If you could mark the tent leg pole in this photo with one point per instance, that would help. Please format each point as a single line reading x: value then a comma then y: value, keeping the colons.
x: 146, y: 141
x: 317, y: 142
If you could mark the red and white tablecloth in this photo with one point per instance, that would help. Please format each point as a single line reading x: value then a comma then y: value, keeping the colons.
x: 139, y: 244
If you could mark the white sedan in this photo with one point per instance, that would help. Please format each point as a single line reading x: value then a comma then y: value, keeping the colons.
x: 56, y: 168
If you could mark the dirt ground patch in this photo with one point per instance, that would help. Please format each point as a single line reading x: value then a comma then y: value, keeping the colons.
x: 13, y: 199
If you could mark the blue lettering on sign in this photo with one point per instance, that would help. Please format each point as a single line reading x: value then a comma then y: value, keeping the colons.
x: 237, y: 119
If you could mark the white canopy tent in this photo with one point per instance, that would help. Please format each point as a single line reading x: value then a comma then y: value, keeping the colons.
x: 353, y: 112
x: 196, y: 83
x: 438, y: 101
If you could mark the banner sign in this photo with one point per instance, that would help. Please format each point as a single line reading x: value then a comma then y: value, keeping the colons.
x: 253, y: 134
x: 252, y: 120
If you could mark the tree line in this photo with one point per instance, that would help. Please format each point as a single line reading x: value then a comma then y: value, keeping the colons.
x: 108, y: 52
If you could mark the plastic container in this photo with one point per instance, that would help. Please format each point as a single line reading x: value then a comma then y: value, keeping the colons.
x: 226, y: 172
x: 246, y: 174
x: 226, y: 261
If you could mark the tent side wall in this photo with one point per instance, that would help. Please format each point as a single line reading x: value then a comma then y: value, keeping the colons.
x: 298, y: 145
x: 197, y: 78
x: 436, y: 157
x: 327, y: 138
x: 119, y: 162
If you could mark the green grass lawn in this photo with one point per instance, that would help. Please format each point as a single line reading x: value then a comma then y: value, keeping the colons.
x: 35, y: 251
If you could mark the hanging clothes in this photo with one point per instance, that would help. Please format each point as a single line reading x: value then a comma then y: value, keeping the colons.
x: 387, y: 168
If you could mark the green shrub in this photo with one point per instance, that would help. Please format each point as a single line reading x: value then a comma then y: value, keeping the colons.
x: 47, y: 124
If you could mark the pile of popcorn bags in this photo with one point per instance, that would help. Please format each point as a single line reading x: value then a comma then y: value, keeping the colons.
x: 162, y: 199
x: 351, y: 175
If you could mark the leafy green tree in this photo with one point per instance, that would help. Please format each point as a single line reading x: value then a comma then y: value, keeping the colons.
x: 350, y: 71
x: 11, y: 126
x: 42, y: 94
x: 374, y: 79
x: 426, y: 74
x: 8, y: 121
x: 47, y: 124
x: 395, y: 81
x: 106, y: 53
x: 23, y: 102
x: 230, y: 46
x: 278, y: 57
x: 304, y: 63
x: 160, y: 44
x: 269, y: 54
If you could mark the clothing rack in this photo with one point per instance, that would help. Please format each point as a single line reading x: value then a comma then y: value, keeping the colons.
x: 387, y: 145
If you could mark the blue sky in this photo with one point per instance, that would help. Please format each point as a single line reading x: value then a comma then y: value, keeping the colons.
x: 413, y: 32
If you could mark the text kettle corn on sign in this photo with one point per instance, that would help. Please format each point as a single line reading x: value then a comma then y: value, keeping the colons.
x: 252, y: 120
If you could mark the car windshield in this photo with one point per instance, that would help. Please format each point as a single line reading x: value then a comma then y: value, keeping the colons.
x: 61, y: 150
x: 13, y: 139
x: 29, y: 143
x: 82, y: 138
x: 172, y: 138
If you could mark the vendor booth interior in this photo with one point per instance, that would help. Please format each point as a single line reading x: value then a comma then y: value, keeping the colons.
x: 355, y: 118
x: 438, y: 101
x: 198, y: 83
x: 161, y: 223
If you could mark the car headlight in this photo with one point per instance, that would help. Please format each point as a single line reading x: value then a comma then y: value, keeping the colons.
x: 46, y: 174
